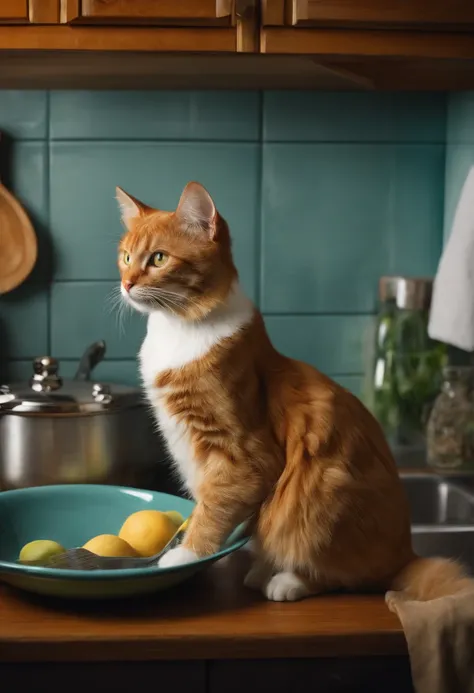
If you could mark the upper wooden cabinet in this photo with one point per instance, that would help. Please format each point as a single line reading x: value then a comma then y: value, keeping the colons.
x: 193, y: 26
x: 150, y: 12
x: 436, y: 14
x: 366, y: 44
x: 14, y: 10
x: 29, y: 11
x: 375, y: 29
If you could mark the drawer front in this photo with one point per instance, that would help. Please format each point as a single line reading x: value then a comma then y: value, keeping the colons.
x: 14, y: 11
x: 418, y: 13
x: 167, y: 12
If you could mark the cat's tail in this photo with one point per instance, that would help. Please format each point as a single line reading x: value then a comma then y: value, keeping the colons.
x: 423, y: 579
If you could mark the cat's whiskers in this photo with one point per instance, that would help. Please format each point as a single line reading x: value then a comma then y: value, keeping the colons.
x: 161, y: 297
x: 183, y: 301
x: 114, y: 300
x: 167, y: 299
x: 166, y: 303
x: 167, y: 292
x: 123, y: 309
x: 158, y: 291
x: 175, y: 294
x: 150, y: 297
x: 115, y: 303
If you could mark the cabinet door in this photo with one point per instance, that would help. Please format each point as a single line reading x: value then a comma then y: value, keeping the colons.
x: 29, y: 11
x: 373, y: 29
x: 158, y: 12
x: 13, y: 11
x: 438, y: 14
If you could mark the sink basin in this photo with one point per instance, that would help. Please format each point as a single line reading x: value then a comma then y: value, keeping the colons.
x: 437, y: 501
x: 442, y: 514
x: 457, y: 543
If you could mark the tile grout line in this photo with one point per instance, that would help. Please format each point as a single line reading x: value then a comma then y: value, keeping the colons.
x: 231, y: 142
x: 259, y: 235
x: 266, y: 313
x: 447, y: 102
x: 47, y: 164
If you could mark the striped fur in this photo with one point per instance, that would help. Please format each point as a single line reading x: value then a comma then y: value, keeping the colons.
x: 255, y: 434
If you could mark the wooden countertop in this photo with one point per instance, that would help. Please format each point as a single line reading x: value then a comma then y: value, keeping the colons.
x: 211, y: 617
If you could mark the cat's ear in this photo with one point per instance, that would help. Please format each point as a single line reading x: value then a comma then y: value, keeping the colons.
x: 196, y: 210
x: 130, y: 207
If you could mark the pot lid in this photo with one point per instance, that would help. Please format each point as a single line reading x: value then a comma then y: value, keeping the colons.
x: 47, y: 393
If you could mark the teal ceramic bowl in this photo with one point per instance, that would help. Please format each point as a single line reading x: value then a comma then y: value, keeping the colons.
x: 71, y: 515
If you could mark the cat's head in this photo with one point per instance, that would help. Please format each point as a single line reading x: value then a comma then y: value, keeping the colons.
x: 181, y: 261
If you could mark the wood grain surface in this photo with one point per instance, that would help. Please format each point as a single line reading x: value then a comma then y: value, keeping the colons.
x: 211, y: 617
x: 113, y: 38
x: 384, y: 12
x: 18, y: 247
x: 375, y: 43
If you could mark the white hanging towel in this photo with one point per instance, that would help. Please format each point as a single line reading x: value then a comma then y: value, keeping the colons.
x: 452, y: 305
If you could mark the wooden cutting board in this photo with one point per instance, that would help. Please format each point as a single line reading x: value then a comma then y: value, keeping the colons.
x: 18, y: 244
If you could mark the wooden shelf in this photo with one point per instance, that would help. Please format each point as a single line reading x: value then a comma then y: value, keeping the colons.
x: 67, y: 69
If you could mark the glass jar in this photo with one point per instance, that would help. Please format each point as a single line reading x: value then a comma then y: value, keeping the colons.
x: 404, y: 373
x: 450, y: 430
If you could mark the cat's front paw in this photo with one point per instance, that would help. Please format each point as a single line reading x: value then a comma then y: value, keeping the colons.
x: 286, y: 587
x: 178, y: 556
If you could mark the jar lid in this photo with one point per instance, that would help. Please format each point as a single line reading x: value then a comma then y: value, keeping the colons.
x: 458, y: 373
x: 47, y: 393
x: 409, y: 293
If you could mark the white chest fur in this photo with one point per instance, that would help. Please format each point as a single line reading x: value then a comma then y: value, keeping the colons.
x: 171, y: 343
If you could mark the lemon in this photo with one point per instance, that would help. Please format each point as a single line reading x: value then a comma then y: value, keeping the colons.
x: 40, y: 550
x: 177, y: 518
x: 148, y: 531
x: 109, y: 545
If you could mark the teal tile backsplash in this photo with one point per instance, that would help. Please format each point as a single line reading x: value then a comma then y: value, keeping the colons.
x: 80, y: 311
x: 460, y: 118
x: 355, y: 211
x: 24, y: 322
x: 84, y: 215
x: 336, y: 344
x: 301, y: 116
x: 159, y: 115
x: 323, y: 191
x: 459, y: 151
x: 23, y: 114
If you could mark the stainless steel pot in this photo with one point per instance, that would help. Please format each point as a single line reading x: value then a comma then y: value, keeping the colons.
x: 55, y: 431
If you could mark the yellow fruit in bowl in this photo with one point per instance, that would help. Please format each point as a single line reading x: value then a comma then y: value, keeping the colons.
x: 40, y: 550
x: 110, y: 545
x: 177, y: 518
x: 148, y: 531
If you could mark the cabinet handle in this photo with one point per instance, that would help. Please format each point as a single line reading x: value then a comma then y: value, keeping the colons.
x: 68, y: 11
x: 300, y: 11
x: 223, y: 8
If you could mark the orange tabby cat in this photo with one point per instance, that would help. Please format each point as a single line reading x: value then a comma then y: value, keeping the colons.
x: 255, y: 434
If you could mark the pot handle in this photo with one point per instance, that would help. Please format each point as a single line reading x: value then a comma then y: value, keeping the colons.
x: 89, y: 360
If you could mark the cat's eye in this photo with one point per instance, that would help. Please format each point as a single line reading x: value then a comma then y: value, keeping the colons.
x: 126, y: 257
x: 158, y: 259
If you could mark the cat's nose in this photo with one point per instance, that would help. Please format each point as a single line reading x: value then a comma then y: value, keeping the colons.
x: 127, y: 285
